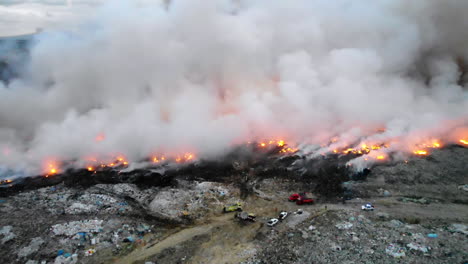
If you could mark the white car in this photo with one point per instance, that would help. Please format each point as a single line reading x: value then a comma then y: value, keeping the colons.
x: 367, y: 207
x: 283, y: 215
x: 272, y: 222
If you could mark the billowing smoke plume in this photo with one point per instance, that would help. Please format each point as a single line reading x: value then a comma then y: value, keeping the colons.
x: 202, y: 75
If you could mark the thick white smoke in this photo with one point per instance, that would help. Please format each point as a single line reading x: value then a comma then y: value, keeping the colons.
x: 200, y: 75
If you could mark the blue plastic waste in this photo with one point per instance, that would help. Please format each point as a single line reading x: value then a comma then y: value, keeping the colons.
x: 60, y: 252
x: 67, y: 255
x: 432, y: 235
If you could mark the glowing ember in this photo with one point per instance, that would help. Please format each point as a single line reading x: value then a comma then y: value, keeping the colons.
x: 188, y: 156
x: 158, y: 159
x: 381, y: 157
x: 288, y: 150
x: 280, y: 143
x: 51, y: 169
x: 179, y: 158
x: 185, y: 158
x: 348, y: 150
x: 277, y: 143
x: 420, y: 152
x: 90, y: 168
x: 430, y: 144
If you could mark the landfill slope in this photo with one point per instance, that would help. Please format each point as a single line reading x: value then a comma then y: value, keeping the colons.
x: 420, y: 216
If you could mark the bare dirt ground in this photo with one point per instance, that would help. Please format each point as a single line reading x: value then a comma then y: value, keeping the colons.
x: 228, y: 241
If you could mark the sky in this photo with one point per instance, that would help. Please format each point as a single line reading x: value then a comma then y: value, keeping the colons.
x: 25, y: 16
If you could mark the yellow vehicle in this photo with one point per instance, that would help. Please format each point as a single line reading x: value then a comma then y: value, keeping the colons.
x: 233, y: 207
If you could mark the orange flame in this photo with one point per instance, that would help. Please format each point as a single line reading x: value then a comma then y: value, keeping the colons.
x: 420, y: 152
x: 51, y: 168
x: 463, y: 141
x: 100, y: 137
x: 157, y: 159
x: 288, y: 150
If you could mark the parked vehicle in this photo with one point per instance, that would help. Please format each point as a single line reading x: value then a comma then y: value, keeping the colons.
x: 301, y: 198
x: 305, y: 201
x: 272, y: 221
x: 283, y: 215
x: 244, y: 216
x: 294, y: 197
x: 367, y: 207
x: 233, y: 207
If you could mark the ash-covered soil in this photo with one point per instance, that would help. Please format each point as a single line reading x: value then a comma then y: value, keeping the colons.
x: 175, y: 215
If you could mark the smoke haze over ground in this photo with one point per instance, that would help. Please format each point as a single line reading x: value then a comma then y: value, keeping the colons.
x: 136, y: 79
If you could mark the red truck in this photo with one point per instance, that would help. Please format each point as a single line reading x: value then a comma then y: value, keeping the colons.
x: 300, y: 198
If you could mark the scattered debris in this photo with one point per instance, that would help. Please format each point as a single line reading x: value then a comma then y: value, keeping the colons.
x: 415, y: 200
x: 383, y: 215
x: 335, y: 247
x: 344, y: 225
x: 66, y: 258
x: 395, y: 223
x: 33, y: 247
x: 7, y: 234
x: 459, y: 228
x: 75, y: 227
x: 395, y: 251
x: 90, y: 252
x: 419, y: 247
x: 463, y: 187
